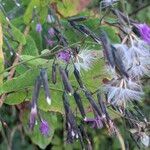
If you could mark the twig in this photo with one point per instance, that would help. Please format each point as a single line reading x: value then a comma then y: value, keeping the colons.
x: 139, y: 9
x: 12, y: 71
x: 19, y: 51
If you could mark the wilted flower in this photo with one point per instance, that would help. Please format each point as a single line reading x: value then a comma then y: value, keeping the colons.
x: 84, y: 60
x: 33, y: 115
x: 38, y: 27
x: 64, y: 55
x: 78, y: 78
x: 51, y: 32
x: 121, y: 90
x: 44, y: 128
x: 144, y: 30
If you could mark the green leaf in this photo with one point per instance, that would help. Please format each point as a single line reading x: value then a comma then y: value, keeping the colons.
x: 20, y: 82
x: 16, y: 97
x: 68, y: 8
x: 1, y: 55
x: 30, y: 47
x: 43, y: 14
x: 3, y: 18
x: 34, y: 62
x: 35, y: 135
x: 28, y: 13
x: 18, y: 35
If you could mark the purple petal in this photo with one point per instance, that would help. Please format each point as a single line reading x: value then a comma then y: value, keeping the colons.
x: 38, y: 27
x: 64, y: 55
x: 44, y: 128
x: 144, y: 30
x: 51, y: 32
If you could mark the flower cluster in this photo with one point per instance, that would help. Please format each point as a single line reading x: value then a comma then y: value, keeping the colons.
x: 128, y: 61
x: 49, y: 36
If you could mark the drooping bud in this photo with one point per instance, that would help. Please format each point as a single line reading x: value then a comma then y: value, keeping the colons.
x: 107, y: 49
x: 78, y: 78
x: 92, y: 102
x: 44, y: 79
x: 79, y: 104
x: 85, y: 136
x: 71, y: 126
x: 65, y: 81
x: 54, y: 73
x: 101, y: 104
x: 33, y: 112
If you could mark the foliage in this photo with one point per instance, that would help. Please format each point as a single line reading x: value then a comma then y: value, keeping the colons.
x: 36, y: 54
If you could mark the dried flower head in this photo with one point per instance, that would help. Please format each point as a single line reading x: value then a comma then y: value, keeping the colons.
x: 138, y: 59
x: 121, y: 90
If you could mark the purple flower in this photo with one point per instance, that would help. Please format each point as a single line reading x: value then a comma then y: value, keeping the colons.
x: 95, y: 122
x: 44, y: 127
x: 51, y: 32
x: 38, y: 27
x: 64, y: 55
x: 49, y: 42
x: 144, y: 30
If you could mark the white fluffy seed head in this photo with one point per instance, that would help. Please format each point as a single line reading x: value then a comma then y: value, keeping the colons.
x: 139, y: 59
x: 120, y: 91
x: 135, y: 58
x: 84, y: 60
